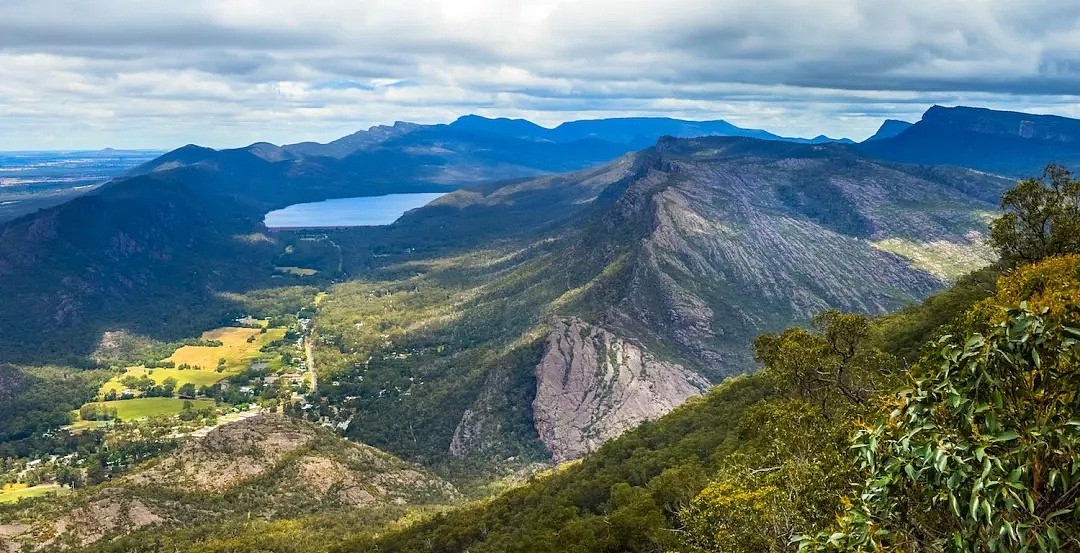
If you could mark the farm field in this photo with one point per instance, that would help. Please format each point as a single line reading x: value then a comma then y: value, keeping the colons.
x: 14, y: 492
x: 138, y: 408
x: 234, y: 348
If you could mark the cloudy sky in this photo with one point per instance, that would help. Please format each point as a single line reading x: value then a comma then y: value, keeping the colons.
x: 148, y: 73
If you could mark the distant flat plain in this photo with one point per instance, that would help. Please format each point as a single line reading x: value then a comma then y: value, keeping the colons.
x: 33, y: 180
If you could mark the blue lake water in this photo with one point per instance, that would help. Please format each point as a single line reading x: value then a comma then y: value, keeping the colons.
x: 348, y: 212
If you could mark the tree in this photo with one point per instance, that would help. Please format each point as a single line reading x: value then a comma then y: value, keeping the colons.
x: 982, y: 454
x: 187, y: 391
x: 168, y: 386
x: 832, y: 363
x: 187, y: 412
x: 96, y: 473
x: 67, y: 476
x: 783, y: 479
x: 1042, y: 218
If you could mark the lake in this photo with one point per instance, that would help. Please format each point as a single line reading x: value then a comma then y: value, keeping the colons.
x: 348, y: 212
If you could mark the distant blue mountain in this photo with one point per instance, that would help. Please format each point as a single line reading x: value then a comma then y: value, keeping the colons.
x: 889, y: 129
x: 502, y: 126
x: 413, y: 157
x: 1007, y: 142
x: 634, y: 132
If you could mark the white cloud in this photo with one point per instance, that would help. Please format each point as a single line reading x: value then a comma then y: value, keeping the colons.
x: 227, y: 72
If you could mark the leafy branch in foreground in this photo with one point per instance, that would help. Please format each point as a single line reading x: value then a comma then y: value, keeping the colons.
x: 983, y: 454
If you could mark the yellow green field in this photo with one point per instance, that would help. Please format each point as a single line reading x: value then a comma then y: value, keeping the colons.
x: 139, y: 408
x: 14, y: 492
x: 196, y: 377
x: 235, y: 348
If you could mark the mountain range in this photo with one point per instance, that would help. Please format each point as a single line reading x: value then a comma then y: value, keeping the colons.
x: 665, y: 263
x: 572, y: 284
x: 187, y: 225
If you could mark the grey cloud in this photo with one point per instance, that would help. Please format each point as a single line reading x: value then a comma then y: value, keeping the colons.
x: 212, y: 71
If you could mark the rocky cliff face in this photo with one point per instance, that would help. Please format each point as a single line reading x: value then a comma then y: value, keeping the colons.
x: 724, y: 240
x: 592, y: 386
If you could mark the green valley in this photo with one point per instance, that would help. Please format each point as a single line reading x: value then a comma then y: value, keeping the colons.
x: 703, y: 345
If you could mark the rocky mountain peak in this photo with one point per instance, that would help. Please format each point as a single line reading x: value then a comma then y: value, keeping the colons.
x: 593, y: 385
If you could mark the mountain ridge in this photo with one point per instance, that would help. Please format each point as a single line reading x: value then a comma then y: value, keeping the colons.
x: 1012, y: 143
x: 665, y: 261
x: 889, y: 128
x: 684, y: 251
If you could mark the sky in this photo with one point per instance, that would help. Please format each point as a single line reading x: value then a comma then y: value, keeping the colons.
x: 224, y: 73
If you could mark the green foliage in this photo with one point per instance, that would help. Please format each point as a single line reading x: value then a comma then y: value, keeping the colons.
x: 33, y: 400
x: 829, y: 364
x: 624, y: 497
x: 414, y: 351
x: 786, y: 474
x: 1042, y: 218
x: 982, y: 454
x: 1052, y: 285
x: 271, y: 303
x: 904, y: 333
x: 95, y: 412
x: 784, y: 477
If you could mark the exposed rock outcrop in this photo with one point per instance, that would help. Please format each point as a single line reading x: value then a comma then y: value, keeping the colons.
x: 268, y: 466
x: 592, y: 386
x: 229, y: 454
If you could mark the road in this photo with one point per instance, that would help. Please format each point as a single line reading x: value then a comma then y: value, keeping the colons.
x: 311, y: 358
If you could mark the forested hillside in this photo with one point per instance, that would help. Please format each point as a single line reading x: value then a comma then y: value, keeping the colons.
x: 704, y: 324
x: 973, y: 447
x: 921, y: 430
x: 667, y: 263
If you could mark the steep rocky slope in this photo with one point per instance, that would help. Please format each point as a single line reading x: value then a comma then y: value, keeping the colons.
x: 680, y: 254
x: 730, y: 237
x: 268, y: 467
x: 592, y: 386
